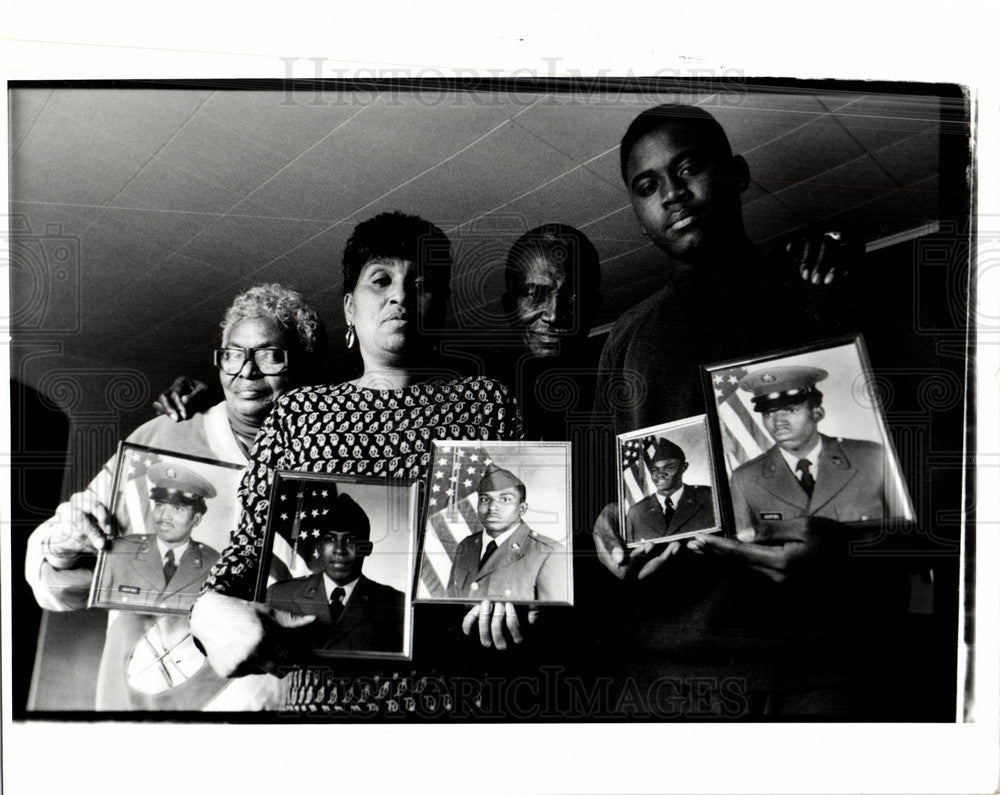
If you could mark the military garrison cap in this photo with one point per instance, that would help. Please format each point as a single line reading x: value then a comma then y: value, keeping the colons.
x: 348, y: 517
x: 496, y: 479
x: 660, y: 449
x: 172, y: 483
x: 782, y: 385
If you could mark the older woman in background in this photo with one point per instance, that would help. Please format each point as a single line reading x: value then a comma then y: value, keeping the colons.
x: 382, y: 423
x: 271, y: 340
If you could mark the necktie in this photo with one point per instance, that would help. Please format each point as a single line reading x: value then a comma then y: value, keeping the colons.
x: 668, y: 511
x: 337, y: 604
x: 806, y: 480
x: 490, y: 549
x: 169, y: 567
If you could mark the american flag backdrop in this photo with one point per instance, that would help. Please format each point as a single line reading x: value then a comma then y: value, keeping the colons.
x: 135, y: 488
x: 451, y: 511
x: 299, y: 508
x: 635, y: 473
x: 743, y: 434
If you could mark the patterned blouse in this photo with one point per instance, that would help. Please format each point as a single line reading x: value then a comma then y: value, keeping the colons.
x: 347, y: 430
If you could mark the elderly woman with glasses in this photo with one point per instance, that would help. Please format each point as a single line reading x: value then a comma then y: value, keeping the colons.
x: 381, y: 423
x: 271, y: 341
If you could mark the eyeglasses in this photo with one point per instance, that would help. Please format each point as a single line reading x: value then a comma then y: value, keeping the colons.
x: 270, y: 361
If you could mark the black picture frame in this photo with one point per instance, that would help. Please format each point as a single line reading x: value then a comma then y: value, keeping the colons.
x: 697, y: 511
x: 129, y: 573
x: 377, y: 620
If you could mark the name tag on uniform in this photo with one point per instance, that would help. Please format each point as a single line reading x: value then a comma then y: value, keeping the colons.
x: 773, y: 516
x: 128, y: 589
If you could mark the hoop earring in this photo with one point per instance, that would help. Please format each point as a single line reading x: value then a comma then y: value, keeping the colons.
x: 350, y: 336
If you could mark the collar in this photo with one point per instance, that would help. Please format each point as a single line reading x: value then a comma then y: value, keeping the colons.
x: 812, y: 456
x: 675, y: 498
x: 500, y: 539
x: 178, y: 551
x: 221, y: 437
x: 330, y: 586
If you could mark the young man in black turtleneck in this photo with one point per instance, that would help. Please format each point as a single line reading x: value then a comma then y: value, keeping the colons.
x: 754, y: 644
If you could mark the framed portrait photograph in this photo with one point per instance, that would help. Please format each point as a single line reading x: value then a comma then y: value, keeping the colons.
x: 802, y: 433
x: 173, y: 516
x: 497, y: 524
x: 343, y: 549
x: 666, y: 483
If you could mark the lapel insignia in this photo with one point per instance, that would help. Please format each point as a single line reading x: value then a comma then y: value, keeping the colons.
x: 771, y: 516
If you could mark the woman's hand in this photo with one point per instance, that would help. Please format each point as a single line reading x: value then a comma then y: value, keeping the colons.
x: 234, y: 633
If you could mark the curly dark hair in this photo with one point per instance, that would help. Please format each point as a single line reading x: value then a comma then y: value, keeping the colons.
x: 396, y: 235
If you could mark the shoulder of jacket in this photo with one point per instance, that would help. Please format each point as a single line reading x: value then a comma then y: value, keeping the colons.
x: 744, y: 469
x: 537, y: 539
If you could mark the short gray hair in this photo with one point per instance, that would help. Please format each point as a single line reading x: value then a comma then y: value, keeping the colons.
x: 288, y: 308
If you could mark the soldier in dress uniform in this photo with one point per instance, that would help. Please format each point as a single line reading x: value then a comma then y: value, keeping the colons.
x: 507, y: 560
x: 805, y: 473
x: 353, y: 613
x: 675, y: 507
x: 164, y: 569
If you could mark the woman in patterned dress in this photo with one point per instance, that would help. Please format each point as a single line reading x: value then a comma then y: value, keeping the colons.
x: 396, y: 283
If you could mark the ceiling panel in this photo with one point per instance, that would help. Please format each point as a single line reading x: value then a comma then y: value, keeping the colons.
x: 572, y: 198
x: 23, y: 109
x: 478, y: 179
x: 240, y: 245
x: 141, y: 120
x: 912, y: 159
x: 876, y: 122
x: 853, y: 183
x: 161, y: 186
x: 371, y: 154
x: 808, y: 150
x: 177, y: 199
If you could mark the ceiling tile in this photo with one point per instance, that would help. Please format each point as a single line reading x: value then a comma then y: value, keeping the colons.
x: 802, y: 154
x: 24, y: 105
x: 161, y: 186
x: 192, y: 284
x: 478, y: 179
x: 141, y: 238
x: 313, y: 266
x: 58, y: 162
x: 913, y: 159
x: 579, y: 127
x: 573, y: 198
x: 239, y: 246
x: 878, y: 121
x: 853, y: 183
x: 769, y: 217
x: 141, y: 120
x: 37, y: 218
x: 615, y: 234
x: 378, y: 149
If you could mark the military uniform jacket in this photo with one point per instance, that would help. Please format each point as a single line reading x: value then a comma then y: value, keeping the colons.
x: 850, y: 485
x: 694, y: 512
x: 373, y: 618
x: 526, y: 567
x: 133, y: 574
